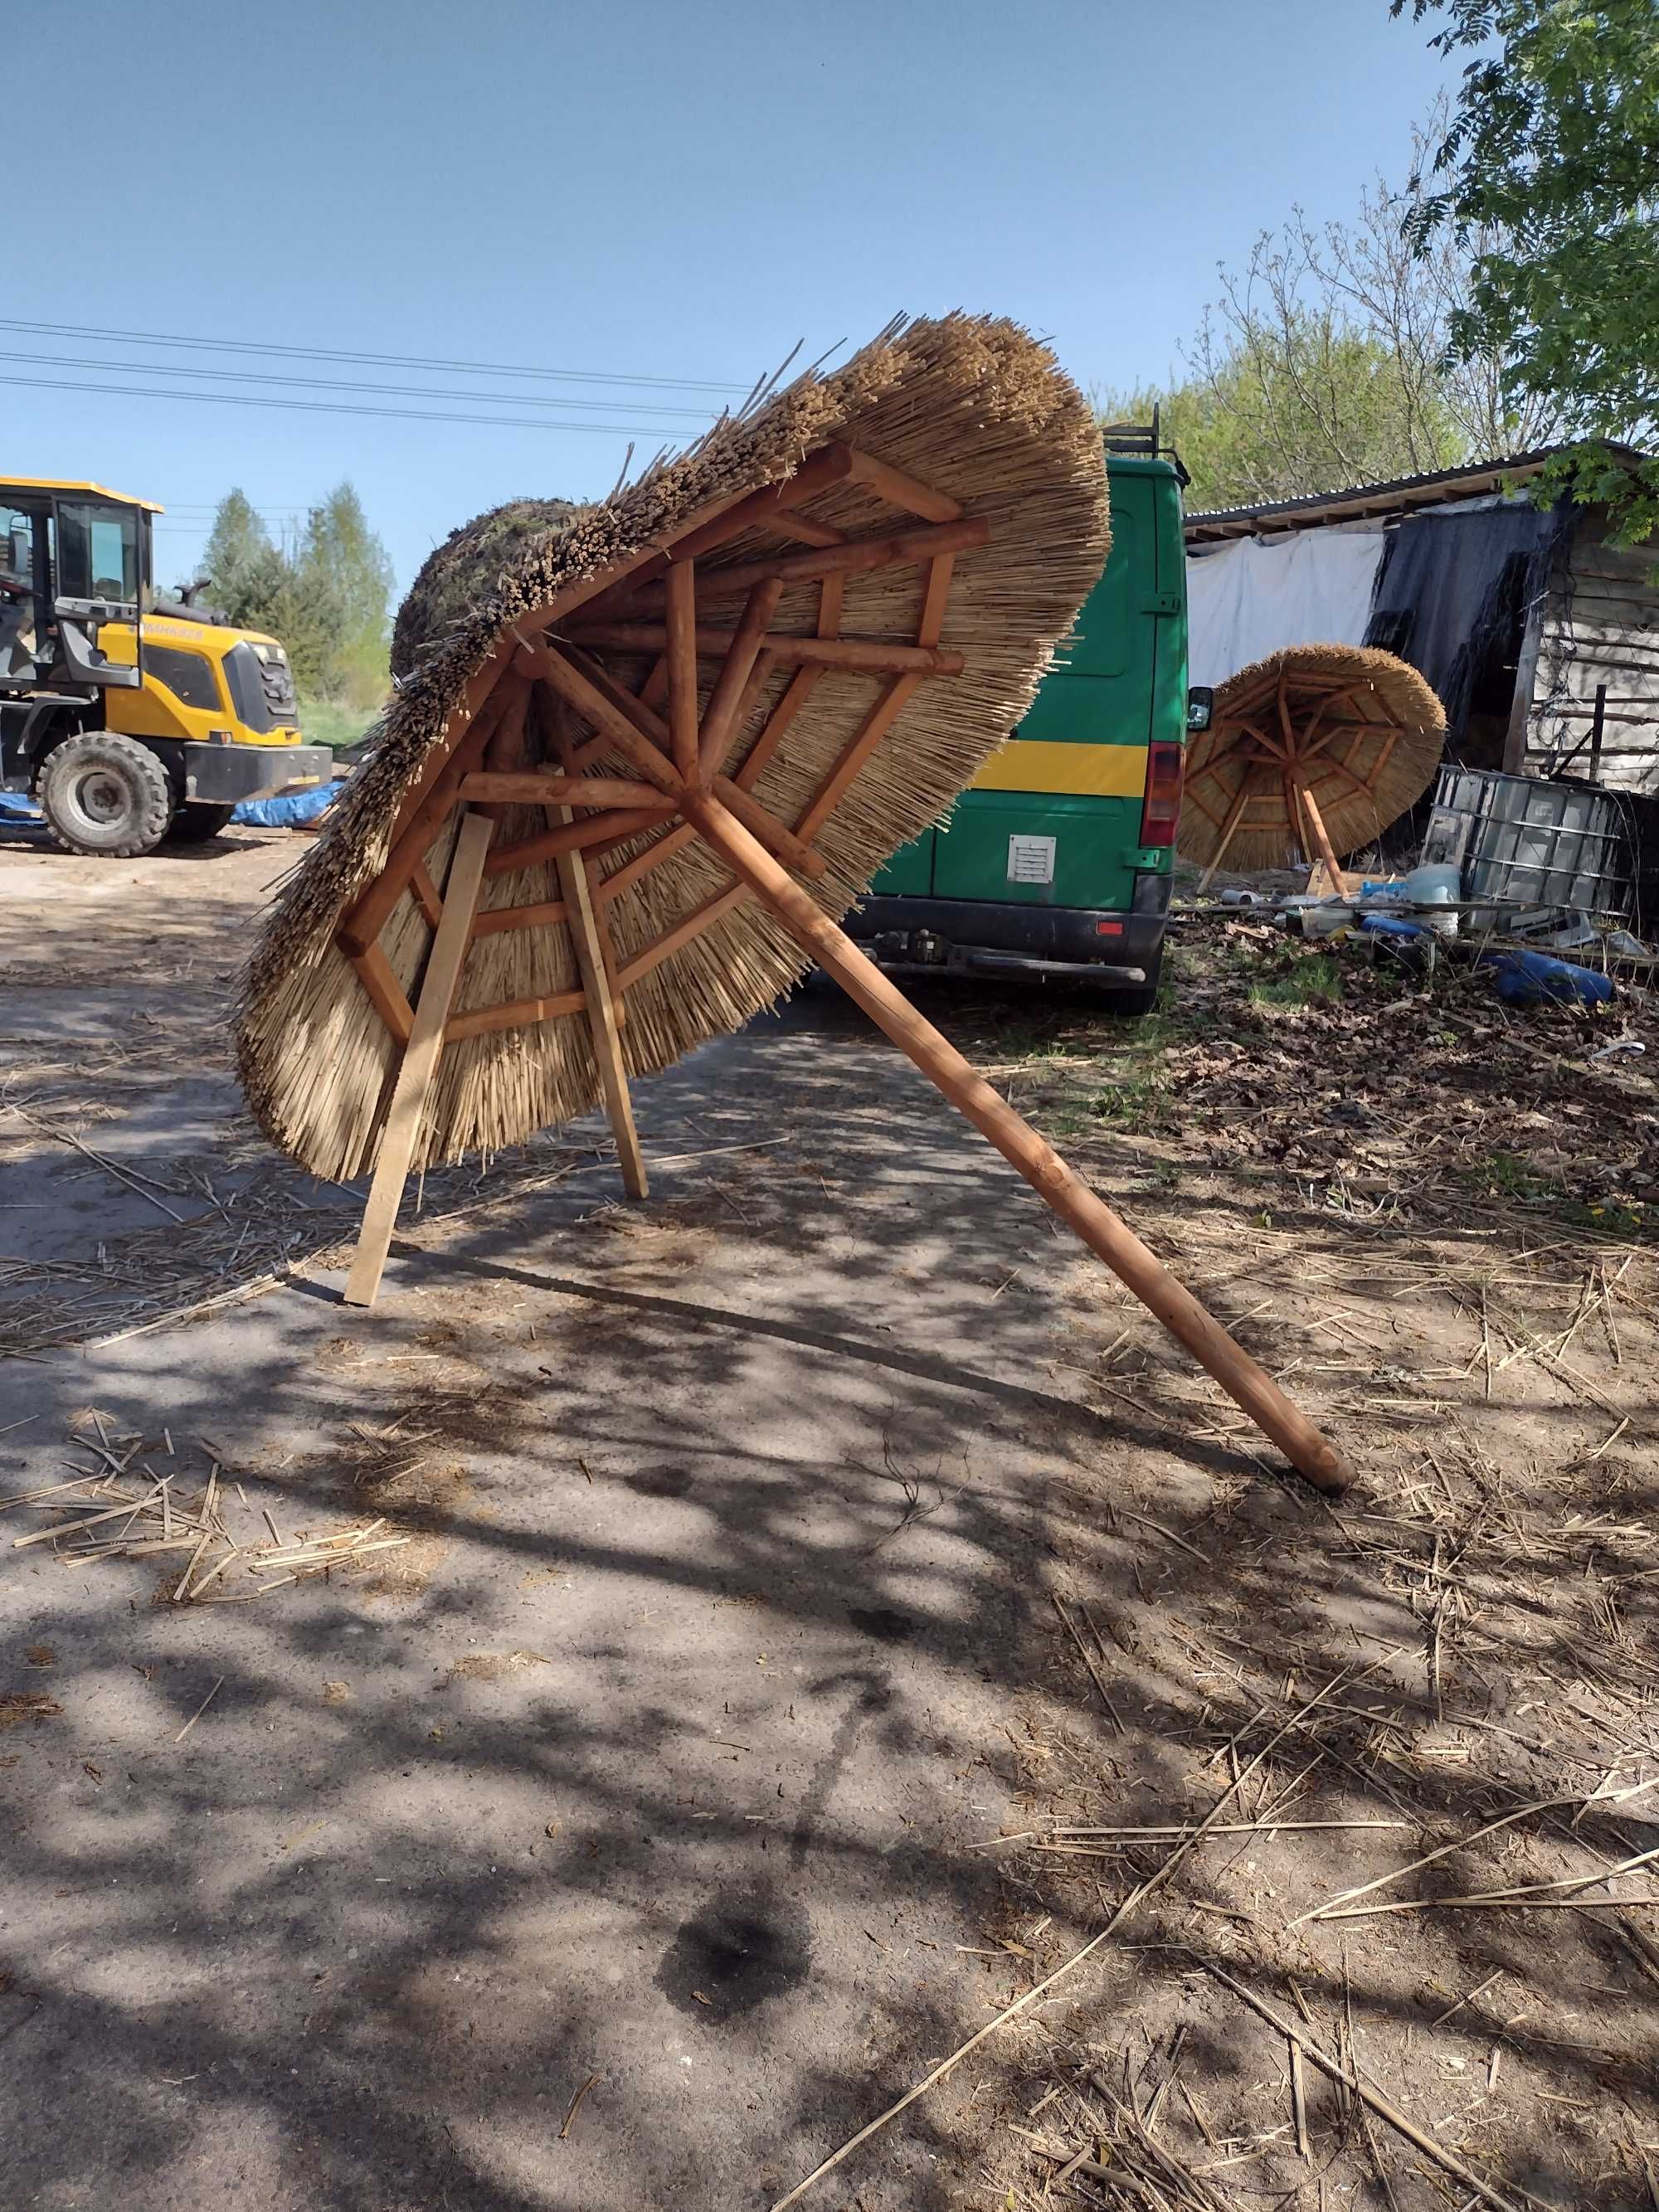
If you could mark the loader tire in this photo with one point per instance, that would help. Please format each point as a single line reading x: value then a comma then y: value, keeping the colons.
x: 104, y: 794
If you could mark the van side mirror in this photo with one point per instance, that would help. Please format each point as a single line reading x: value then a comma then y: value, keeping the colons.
x: 1200, y: 705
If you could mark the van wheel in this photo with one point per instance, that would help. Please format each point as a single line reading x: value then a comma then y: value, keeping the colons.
x: 198, y: 820
x: 103, y: 793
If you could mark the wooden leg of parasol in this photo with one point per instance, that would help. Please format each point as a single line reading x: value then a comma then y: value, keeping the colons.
x: 1322, y: 835
x: 586, y: 926
x: 1022, y: 1148
x: 420, y: 1062
x: 1235, y: 815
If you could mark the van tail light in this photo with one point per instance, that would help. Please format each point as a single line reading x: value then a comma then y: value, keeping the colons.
x: 1165, y: 764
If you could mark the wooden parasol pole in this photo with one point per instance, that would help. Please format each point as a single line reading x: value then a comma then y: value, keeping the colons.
x: 1247, y: 1383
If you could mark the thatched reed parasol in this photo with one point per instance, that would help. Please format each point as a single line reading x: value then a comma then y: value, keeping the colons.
x: 1313, y: 751
x: 629, y: 785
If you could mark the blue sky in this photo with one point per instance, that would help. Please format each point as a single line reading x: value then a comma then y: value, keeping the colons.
x: 674, y: 189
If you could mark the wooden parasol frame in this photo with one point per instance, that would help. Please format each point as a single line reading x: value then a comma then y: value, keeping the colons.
x: 652, y: 603
x: 1286, y: 723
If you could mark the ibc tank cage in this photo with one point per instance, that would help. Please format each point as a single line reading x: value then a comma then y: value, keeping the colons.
x: 1526, y: 842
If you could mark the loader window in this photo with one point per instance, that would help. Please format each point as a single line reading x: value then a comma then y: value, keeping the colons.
x: 97, y: 552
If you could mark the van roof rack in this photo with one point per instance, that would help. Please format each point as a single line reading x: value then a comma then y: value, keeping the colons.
x: 1143, y: 438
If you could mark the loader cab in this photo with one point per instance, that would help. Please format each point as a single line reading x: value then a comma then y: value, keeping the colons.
x: 74, y: 558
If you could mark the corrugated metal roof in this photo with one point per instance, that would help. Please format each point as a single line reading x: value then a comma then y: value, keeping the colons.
x: 1432, y: 488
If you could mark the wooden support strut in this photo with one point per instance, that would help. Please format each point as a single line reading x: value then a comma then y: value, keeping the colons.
x: 1322, y: 835
x: 419, y: 1069
x: 1246, y: 1382
x: 587, y: 929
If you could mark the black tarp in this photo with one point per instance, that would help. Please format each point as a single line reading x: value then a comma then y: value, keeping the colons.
x: 1453, y: 588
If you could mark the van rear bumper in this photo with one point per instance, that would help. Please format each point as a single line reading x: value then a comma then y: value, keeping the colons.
x: 977, y: 937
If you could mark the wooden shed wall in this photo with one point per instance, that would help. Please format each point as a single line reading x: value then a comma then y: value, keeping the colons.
x: 1599, y: 624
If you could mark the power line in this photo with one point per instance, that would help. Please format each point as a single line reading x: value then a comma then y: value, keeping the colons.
x: 329, y: 407
x: 333, y: 384
x: 365, y: 360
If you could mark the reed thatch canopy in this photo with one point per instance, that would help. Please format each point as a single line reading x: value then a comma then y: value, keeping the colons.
x: 822, y: 619
x: 1310, y: 753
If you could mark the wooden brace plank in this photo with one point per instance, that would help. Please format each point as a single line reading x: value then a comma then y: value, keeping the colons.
x: 413, y: 1088
x: 368, y: 916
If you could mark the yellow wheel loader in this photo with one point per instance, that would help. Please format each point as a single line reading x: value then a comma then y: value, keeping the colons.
x: 127, y: 718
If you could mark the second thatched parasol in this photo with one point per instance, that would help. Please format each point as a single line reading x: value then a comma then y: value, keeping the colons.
x: 1313, y: 751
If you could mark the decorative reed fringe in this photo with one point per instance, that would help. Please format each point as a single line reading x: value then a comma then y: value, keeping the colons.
x: 973, y: 406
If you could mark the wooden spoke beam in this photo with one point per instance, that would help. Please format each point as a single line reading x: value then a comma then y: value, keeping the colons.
x: 719, y: 715
x: 680, y: 658
x: 1093, y: 1221
x: 899, y: 489
x: 773, y: 835
x: 691, y: 925
x: 594, y: 829
x: 385, y: 993
x: 412, y: 1090
x: 425, y: 892
x: 875, y: 726
x: 852, y: 556
x: 514, y: 1014
x: 498, y: 921
x: 535, y: 787
x: 595, y: 705
x: 865, y: 652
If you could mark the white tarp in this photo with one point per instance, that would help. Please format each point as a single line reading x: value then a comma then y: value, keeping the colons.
x: 1248, y: 599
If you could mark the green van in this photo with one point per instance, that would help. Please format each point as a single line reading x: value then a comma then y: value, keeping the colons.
x: 1056, y: 861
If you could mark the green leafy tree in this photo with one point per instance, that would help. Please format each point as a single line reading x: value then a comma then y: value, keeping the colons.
x: 1328, y: 361
x: 1547, y: 171
x: 244, y: 569
x: 326, y: 595
x: 343, y: 567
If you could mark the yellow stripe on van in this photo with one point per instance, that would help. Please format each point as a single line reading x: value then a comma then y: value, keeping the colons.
x: 1081, y: 771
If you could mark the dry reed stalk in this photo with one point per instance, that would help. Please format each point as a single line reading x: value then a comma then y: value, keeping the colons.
x: 970, y: 407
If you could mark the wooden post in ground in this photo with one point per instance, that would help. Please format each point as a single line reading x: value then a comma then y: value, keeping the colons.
x: 1248, y: 1384
x: 420, y: 1062
x: 585, y: 925
x: 1235, y: 816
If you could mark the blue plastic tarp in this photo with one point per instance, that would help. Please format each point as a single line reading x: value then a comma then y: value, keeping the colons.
x: 283, y: 812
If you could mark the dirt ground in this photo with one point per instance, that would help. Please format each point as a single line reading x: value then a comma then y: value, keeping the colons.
x: 829, y: 1604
